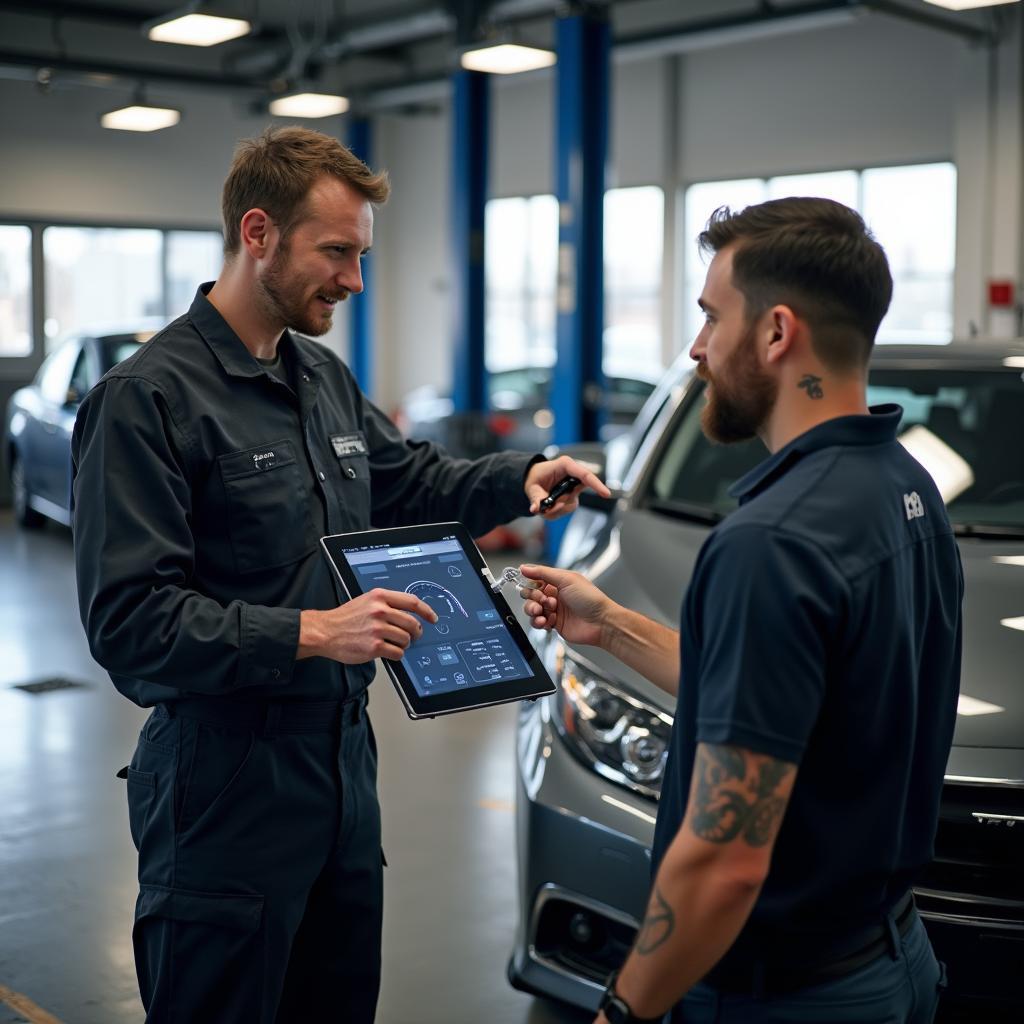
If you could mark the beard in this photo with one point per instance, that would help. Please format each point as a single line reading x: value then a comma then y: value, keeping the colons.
x: 284, y: 300
x: 740, y: 397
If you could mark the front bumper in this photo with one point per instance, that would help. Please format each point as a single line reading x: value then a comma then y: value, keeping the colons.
x: 584, y: 867
x: 584, y: 876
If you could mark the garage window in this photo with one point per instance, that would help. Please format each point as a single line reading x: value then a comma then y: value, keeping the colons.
x: 911, y: 210
x: 109, y: 278
x: 521, y: 269
x: 15, y: 290
x: 192, y: 258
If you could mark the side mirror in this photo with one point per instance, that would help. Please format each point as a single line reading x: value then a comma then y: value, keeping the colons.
x: 592, y: 500
x: 590, y: 453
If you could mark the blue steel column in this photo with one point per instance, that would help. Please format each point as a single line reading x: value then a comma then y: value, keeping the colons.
x: 469, y: 195
x: 581, y: 145
x: 360, y: 141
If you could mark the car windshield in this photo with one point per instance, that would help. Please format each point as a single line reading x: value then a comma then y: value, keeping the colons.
x: 964, y: 426
x: 117, y: 347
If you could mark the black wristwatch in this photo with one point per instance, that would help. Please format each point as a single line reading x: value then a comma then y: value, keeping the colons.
x: 618, y: 1011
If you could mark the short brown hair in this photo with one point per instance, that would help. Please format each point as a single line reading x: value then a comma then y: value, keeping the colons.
x: 816, y: 256
x: 276, y: 170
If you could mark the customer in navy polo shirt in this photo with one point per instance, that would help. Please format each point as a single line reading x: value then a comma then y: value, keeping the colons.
x: 817, y: 665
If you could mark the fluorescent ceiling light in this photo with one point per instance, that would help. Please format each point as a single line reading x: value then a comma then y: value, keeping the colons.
x: 1014, y: 362
x: 140, y: 118
x: 507, y: 59
x: 1017, y: 623
x: 197, y: 29
x: 967, y: 5
x: 308, y: 104
x: 968, y: 706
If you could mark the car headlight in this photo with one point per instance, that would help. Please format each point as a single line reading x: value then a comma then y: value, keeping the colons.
x: 618, y: 735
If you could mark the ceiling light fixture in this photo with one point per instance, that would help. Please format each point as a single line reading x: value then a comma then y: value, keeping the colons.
x: 140, y: 117
x: 189, y: 26
x: 967, y: 5
x: 507, y: 58
x: 309, y: 104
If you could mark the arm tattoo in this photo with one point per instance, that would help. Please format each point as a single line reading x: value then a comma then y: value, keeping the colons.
x: 812, y: 385
x: 737, y: 794
x: 658, y: 925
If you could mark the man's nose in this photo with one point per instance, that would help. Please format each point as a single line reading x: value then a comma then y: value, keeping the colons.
x: 351, y: 279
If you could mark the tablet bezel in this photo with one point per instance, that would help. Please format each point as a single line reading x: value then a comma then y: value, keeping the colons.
x: 538, y: 684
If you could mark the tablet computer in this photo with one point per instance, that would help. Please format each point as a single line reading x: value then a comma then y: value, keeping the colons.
x: 477, y: 653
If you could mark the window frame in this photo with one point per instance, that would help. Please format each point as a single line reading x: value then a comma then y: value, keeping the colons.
x: 24, y: 368
x: 527, y: 294
x: 686, y: 249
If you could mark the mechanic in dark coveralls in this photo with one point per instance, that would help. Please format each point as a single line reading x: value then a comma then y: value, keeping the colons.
x: 207, y: 467
x: 817, y: 665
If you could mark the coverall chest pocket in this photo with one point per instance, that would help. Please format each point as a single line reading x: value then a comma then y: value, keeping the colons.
x: 268, y: 514
x: 354, y: 489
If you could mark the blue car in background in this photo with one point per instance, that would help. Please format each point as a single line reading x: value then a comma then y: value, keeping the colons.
x: 41, y: 417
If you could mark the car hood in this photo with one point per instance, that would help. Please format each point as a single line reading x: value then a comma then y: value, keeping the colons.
x: 993, y: 662
x: 645, y: 558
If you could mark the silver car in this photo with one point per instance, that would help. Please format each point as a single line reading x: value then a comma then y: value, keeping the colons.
x: 590, y: 757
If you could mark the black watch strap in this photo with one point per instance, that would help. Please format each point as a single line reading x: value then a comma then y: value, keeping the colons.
x: 618, y: 1011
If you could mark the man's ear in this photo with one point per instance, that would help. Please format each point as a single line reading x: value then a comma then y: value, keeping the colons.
x: 257, y: 233
x: 780, y: 329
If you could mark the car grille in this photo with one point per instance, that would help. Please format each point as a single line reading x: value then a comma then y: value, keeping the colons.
x: 979, y: 849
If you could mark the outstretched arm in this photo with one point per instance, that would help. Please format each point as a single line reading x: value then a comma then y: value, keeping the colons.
x: 578, y: 611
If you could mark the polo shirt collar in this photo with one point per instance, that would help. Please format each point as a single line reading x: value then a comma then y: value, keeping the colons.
x: 842, y: 431
x: 229, y: 349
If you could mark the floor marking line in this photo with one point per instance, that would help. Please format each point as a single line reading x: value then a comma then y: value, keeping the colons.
x: 32, y: 1013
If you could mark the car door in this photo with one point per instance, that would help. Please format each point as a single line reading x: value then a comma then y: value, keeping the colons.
x: 84, y: 374
x: 50, y: 449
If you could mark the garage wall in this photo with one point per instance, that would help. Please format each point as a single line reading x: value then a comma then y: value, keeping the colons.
x: 878, y: 91
x: 57, y: 162
x: 411, y: 256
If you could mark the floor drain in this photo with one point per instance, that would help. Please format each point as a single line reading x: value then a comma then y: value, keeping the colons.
x: 49, y: 685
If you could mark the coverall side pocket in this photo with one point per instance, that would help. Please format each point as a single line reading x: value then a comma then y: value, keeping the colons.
x: 141, y: 792
x: 200, y: 952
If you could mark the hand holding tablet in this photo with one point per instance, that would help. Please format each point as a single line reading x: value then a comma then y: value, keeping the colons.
x: 473, y: 652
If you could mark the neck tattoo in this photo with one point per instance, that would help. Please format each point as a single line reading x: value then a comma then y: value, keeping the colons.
x: 812, y: 385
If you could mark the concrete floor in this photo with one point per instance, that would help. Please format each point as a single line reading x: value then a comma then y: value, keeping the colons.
x: 67, y: 865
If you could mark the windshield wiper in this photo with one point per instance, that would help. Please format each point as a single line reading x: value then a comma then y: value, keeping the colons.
x: 988, y: 530
x: 691, y: 513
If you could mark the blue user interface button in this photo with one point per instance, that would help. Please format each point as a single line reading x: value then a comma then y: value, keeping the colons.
x: 490, y: 615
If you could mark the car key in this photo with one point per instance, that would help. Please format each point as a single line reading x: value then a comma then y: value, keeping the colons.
x: 562, y: 487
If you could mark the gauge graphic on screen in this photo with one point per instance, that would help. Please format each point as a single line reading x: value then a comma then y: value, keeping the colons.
x: 442, y: 600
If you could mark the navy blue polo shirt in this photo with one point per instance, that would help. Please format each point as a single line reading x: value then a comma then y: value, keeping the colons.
x: 822, y: 626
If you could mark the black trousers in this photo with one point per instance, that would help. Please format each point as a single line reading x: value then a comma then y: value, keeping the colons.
x: 260, y: 871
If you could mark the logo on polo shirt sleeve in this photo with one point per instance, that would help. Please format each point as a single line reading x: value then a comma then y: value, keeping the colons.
x: 913, y: 506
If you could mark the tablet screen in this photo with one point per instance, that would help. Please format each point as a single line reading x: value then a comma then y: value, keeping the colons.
x: 470, y: 644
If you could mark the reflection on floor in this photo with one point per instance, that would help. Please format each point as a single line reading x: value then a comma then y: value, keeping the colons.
x: 67, y: 866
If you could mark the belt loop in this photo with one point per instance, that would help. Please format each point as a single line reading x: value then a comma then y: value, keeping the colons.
x: 892, y: 935
x: 273, y: 719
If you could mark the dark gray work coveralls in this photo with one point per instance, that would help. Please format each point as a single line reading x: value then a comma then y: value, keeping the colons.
x: 202, y: 486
